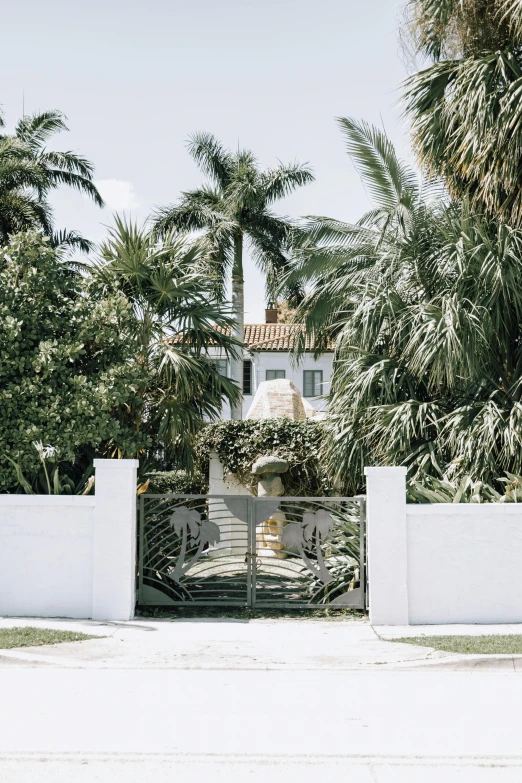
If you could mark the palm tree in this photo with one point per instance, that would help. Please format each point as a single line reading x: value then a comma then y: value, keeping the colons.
x: 188, y: 524
x: 423, y: 301
x: 313, y: 530
x: 29, y: 171
x: 466, y: 106
x: 234, y: 206
x: 177, y: 320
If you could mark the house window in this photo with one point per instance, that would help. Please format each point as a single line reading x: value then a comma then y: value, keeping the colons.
x: 312, y: 383
x: 272, y: 375
x: 222, y: 367
x: 247, y: 377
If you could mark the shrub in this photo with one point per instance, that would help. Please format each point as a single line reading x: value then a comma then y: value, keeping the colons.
x: 239, y: 443
x: 177, y: 482
x: 65, y: 378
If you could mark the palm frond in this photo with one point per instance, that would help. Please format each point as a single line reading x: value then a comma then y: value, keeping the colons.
x: 178, y: 324
x: 283, y: 180
x: 389, y: 182
x: 72, y: 240
x: 212, y: 157
x: 29, y: 172
x: 38, y: 128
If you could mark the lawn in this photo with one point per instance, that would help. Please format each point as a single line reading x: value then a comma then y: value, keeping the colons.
x: 32, y: 637
x: 481, y: 645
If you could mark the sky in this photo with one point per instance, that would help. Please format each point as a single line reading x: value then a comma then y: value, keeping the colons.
x: 136, y: 78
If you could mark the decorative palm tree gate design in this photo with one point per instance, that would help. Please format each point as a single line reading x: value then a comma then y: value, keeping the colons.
x: 249, y: 551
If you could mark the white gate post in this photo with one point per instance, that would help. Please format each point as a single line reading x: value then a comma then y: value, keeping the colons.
x: 233, y: 532
x: 114, y: 545
x: 387, y: 545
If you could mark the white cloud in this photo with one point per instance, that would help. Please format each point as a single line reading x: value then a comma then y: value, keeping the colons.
x: 118, y: 194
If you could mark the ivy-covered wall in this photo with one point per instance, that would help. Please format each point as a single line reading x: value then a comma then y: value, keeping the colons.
x: 239, y: 443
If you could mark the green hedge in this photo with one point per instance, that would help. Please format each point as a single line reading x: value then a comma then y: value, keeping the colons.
x: 177, y: 482
x: 240, y: 443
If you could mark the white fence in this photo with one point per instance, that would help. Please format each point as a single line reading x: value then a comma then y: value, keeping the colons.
x: 63, y: 556
x: 441, y: 563
x: 76, y: 556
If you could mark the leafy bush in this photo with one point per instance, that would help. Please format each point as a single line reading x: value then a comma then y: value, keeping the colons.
x: 240, y: 443
x: 65, y: 378
x: 430, y: 489
x: 177, y: 482
x: 50, y: 479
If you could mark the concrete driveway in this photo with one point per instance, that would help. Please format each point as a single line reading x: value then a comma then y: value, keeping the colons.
x: 262, y: 700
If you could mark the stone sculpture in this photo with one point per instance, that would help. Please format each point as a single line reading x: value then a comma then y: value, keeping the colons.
x: 269, y: 533
x: 277, y: 399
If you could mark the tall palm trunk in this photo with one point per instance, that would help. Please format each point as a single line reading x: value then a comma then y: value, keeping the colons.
x: 238, y: 330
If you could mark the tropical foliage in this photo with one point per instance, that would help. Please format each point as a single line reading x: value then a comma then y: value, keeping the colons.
x: 65, y: 378
x: 235, y: 205
x: 176, y: 319
x: 29, y: 171
x: 49, y: 478
x: 422, y: 299
x: 239, y: 443
x: 178, y: 482
x: 466, y: 106
x: 465, y: 490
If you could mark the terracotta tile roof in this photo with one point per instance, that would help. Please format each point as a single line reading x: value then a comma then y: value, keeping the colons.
x: 273, y: 337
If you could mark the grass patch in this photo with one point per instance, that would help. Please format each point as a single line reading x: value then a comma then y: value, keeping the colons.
x: 35, y: 637
x: 243, y: 613
x: 471, y: 645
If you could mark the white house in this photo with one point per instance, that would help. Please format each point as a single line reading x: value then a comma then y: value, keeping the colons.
x: 267, y: 357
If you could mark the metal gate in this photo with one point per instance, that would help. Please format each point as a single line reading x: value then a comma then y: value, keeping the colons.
x: 249, y: 551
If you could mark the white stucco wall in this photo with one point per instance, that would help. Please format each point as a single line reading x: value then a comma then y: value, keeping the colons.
x: 280, y: 360
x: 465, y: 563
x: 46, y: 555
x: 68, y: 556
x: 440, y: 563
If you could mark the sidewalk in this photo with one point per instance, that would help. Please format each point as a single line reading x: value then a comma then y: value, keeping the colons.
x: 210, y: 643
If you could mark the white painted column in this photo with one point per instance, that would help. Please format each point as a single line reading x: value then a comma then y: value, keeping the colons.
x: 233, y: 532
x: 114, y: 545
x: 387, y: 545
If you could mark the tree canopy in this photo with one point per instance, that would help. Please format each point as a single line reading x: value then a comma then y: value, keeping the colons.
x: 422, y: 299
x: 65, y: 377
x: 29, y: 171
x: 236, y: 204
x: 176, y: 321
x: 465, y: 107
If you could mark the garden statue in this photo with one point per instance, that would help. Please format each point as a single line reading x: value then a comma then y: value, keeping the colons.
x: 277, y: 399
x: 270, y: 532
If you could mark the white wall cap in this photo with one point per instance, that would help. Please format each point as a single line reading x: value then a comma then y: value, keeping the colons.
x: 399, y: 470
x: 116, y: 464
x: 47, y: 500
x: 464, y: 509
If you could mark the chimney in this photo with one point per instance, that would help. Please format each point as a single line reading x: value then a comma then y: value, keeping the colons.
x: 271, y: 313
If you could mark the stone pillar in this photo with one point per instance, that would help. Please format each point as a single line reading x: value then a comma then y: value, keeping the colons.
x: 114, y: 544
x: 387, y: 545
